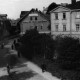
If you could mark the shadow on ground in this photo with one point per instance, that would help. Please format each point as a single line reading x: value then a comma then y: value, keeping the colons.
x: 3, y: 60
x: 20, y: 76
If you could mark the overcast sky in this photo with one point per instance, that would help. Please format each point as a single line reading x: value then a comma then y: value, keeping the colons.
x: 13, y: 7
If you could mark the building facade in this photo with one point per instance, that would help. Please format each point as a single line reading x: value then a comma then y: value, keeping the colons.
x: 34, y: 19
x: 65, y: 21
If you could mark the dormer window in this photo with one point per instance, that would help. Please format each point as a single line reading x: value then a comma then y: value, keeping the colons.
x: 64, y: 15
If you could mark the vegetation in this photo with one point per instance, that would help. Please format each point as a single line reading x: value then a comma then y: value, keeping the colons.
x: 68, y: 50
x: 35, y: 44
x: 51, y: 6
x: 13, y: 30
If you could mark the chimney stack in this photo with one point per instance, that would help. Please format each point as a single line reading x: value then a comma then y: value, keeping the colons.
x: 73, y: 1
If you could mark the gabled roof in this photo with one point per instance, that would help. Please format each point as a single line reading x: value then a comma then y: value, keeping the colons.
x: 33, y: 10
x: 3, y: 15
x: 60, y: 7
x: 71, y: 6
x: 23, y: 13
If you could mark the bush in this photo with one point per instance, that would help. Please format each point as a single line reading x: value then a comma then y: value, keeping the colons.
x: 26, y: 47
x: 68, y: 50
x: 35, y: 44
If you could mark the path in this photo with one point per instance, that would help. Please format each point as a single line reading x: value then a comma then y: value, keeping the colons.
x: 27, y: 67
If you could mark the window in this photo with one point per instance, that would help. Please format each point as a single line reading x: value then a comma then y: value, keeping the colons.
x: 41, y: 27
x: 36, y: 27
x: 30, y: 18
x: 77, y: 14
x: 56, y: 15
x: 56, y: 27
x: 35, y: 18
x: 64, y: 27
x: 64, y: 15
x: 77, y: 27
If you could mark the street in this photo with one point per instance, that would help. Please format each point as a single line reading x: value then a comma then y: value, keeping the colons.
x: 26, y: 70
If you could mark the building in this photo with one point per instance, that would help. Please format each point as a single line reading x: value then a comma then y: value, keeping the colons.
x: 45, y: 10
x: 35, y: 19
x: 65, y: 20
x: 13, y: 23
x: 3, y: 16
x: 23, y: 13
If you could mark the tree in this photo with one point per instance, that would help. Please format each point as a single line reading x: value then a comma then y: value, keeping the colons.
x: 69, y: 52
x: 8, y: 25
x: 51, y: 6
x: 27, y: 42
x: 12, y: 29
x: 18, y: 28
x: 1, y: 29
x: 35, y: 44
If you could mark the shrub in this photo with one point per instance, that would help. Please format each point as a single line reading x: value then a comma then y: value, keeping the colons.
x: 69, y: 52
x: 35, y: 44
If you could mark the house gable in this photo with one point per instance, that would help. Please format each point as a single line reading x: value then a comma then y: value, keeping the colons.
x: 34, y: 14
x: 60, y: 9
x: 45, y: 17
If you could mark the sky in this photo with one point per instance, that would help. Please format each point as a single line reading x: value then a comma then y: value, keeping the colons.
x: 13, y: 7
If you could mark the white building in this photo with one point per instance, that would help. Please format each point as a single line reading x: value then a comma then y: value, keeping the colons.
x: 65, y: 21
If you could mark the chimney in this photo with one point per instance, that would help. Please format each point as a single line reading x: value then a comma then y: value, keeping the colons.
x: 73, y: 1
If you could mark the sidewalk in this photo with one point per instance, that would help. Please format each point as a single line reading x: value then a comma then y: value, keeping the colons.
x: 38, y: 70
x: 27, y: 67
